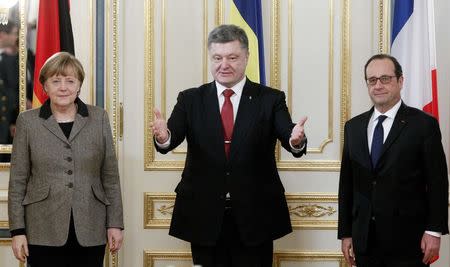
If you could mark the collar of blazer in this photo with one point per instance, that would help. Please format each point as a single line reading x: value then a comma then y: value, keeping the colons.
x: 45, y: 111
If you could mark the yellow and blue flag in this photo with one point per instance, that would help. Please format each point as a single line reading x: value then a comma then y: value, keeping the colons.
x: 247, y: 15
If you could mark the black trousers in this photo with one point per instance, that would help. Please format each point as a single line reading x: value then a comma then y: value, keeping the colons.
x: 72, y: 254
x: 229, y: 251
x: 376, y: 257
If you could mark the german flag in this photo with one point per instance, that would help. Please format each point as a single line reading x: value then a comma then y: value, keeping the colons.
x: 247, y: 15
x: 54, y: 34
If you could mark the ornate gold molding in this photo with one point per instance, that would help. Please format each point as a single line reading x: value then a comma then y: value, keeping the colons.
x: 7, y: 148
x: 205, y: 41
x: 152, y: 257
x: 275, y: 80
x: 219, y: 12
x: 149, y: 78
x: 22, y: 56
x: 384, y: 29
x: 112, y: 66
x: 151, y: 210
x: 345, y: 69
x: 149, y: 83
x: 291, y: 46
x: 307, y: 210
x: 312, y: 210
x: 112, y: 81
x: 309, y: 256
x: 150, y: 163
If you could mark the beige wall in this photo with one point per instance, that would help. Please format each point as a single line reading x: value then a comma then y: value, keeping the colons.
x: 315, y: 52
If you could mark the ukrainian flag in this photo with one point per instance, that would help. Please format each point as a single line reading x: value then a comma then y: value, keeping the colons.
x: 247, y: 15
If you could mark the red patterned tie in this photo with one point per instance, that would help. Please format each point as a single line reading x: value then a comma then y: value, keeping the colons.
x: 227, y: 120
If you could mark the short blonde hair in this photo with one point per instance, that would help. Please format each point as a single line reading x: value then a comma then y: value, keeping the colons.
x: 61, y: 63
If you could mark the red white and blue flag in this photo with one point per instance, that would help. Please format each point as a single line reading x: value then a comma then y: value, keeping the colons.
x: 414, y: 46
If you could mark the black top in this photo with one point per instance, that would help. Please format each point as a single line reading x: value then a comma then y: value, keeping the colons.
x: 66, y: 127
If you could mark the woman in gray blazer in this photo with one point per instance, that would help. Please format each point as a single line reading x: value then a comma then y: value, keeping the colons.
x: 64, y: 200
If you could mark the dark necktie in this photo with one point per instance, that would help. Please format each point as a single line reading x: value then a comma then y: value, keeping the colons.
x: 227, y: 120
x: 377, y: 141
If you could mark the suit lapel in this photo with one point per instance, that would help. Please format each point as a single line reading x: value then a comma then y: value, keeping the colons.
x: 245, y: 117
x: 213, y: 121
x: 362, y: 135
x: 78, y: 124
x: 54, y: 128
x: 399, y: 123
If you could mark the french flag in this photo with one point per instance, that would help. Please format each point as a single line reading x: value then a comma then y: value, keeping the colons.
x: 414, y: 46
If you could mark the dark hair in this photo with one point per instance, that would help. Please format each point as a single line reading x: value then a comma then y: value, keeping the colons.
x: 8, y: 27
x: 227, y: 33
x: 398, y: 68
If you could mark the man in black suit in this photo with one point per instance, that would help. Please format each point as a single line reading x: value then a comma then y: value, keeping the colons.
x: 230, y: 202
x: 393, y: 188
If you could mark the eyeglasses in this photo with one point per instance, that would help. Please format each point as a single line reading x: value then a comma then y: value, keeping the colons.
x: 385, y: 79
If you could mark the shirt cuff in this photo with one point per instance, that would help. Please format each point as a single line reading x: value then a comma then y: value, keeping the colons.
x: 165, y: 144
x: 436, y: 234
x: 297, y: 149
x: 20, y: 231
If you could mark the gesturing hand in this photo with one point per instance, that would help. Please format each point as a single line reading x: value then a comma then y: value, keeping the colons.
x: 159, y: 127
x: 298, y: 132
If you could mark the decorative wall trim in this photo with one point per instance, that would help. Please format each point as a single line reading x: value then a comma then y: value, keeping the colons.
x: 152, y: 257
x: 112, y: 66
x: 4, y: 224
x: 149, y: 77
x: 384, y: 29
x: 158, y: 209
x: 309, y: 256
x: 151, y: 163
x: 307, y: 210
x: 345, y: 69
x: 112, y: 86
x: 290, y: 74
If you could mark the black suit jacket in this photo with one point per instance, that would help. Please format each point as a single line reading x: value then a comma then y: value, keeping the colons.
x: 407, y: 193
x: 250, y: 175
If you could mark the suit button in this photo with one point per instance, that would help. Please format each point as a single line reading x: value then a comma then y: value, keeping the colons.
x: 69, y: 159
x: 69, y: 172
x: 227, y: 173
x: 374, y: 182
x: 70, y: 185
x: 373, y: 218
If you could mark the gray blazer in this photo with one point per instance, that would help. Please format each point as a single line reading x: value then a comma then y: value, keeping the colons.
x: 52, y: 175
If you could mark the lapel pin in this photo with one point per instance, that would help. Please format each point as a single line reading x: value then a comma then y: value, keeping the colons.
x: 250, y: 97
